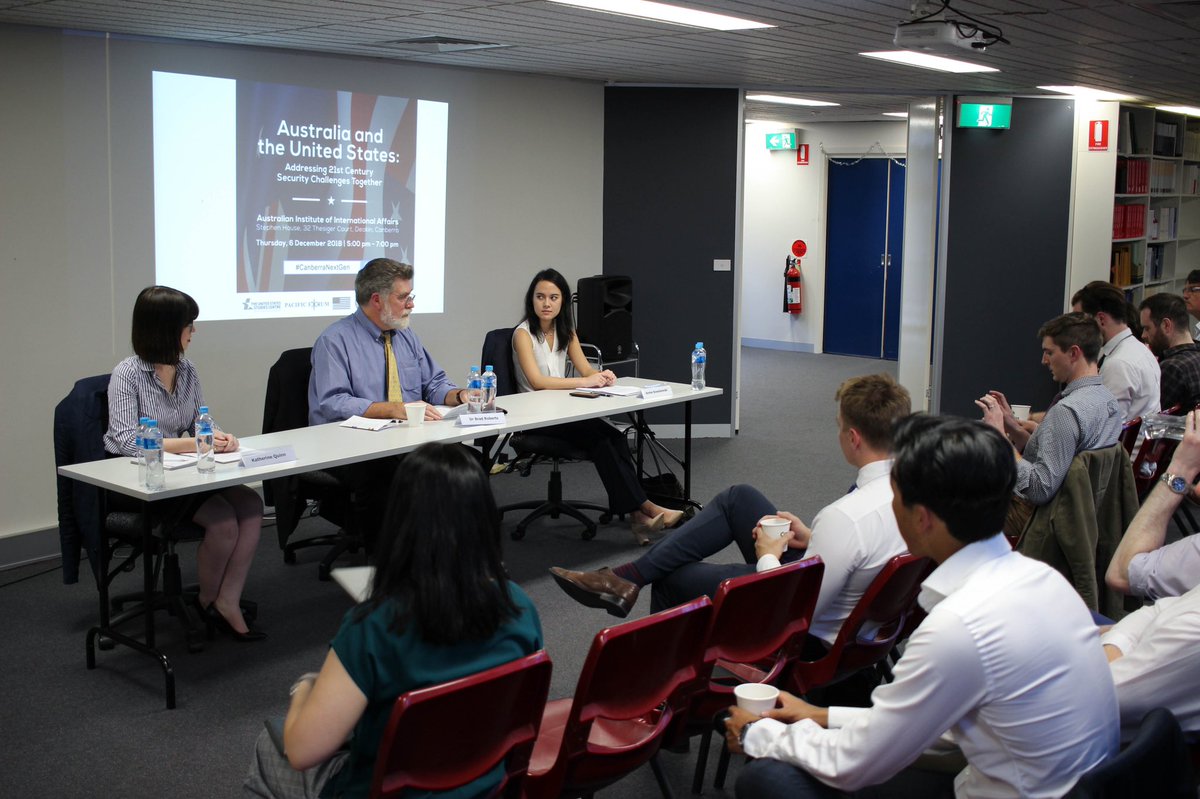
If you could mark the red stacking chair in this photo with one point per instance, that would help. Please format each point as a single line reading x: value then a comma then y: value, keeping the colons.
x: 1129, y: 433
x: 872, y: 629
x: 448, y: 735
x: 635, y: 681
x: 759, y: 626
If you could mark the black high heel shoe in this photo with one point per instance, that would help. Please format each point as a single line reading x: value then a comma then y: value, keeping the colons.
x: 216, y: 620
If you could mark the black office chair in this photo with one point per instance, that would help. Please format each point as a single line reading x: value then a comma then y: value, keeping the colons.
x: 1156, y: 763
x: 286, y: 408
x: 87, y: 523
x: 532, y: 447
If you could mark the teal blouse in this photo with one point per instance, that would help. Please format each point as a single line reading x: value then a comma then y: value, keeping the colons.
x: 384, y: 665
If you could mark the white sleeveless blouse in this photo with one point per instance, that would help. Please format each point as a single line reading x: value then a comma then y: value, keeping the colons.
x: 551, y: 363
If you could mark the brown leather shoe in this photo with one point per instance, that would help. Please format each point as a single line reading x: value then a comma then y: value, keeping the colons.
x: 598, y: 589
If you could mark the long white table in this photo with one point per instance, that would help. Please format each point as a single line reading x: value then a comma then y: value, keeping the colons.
x: 330, y: 445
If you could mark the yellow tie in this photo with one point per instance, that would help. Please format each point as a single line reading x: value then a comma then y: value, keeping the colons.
x: 395, y: 392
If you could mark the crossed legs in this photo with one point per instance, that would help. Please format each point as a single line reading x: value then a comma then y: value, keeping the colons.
x: 232, y: 521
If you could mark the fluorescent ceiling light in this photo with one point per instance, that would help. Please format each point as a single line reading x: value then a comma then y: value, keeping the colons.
x: 901, y: 114
x: 926, y: 61
x: 778, y: 98
x: 1190, y: 110
x: 644, y: 9
x: 1086, y: 92
x: 764, y: 122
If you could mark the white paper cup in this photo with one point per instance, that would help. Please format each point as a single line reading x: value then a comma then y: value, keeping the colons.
x: 1020, y: 411
x: 415, y: 412
x: 756, y: 697
x: 775, y: 526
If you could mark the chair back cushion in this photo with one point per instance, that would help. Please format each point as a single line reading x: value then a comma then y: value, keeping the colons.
x: 80, y: 421
x: 1156, y: 763
x: 497, y: 351
x: 286, y: 404
x: 448, y: 735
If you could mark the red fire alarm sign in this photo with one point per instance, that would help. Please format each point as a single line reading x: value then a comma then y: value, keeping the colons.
x: 1098, y: 134
x: 802, y: 154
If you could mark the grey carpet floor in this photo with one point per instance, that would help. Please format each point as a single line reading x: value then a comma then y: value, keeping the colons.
x: 68, y: 732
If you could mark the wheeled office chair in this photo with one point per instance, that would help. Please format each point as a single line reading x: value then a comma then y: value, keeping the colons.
x: 86, y: 522
x: 286, y: 408
x: 534, y: 446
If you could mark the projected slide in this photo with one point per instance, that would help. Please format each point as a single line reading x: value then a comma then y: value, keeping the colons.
x: 268, y: 198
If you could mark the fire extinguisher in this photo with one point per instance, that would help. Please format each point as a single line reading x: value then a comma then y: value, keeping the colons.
x: 793, y: 301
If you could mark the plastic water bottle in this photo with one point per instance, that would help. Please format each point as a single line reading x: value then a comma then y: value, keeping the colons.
x: 699, y: 357
x: 206, y: 454
x: 474, y: 391
x: 489, y: 390
x: 143, y: 425
x: 152, y: 445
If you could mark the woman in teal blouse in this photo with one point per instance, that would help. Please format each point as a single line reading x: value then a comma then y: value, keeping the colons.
x: 441, y: 608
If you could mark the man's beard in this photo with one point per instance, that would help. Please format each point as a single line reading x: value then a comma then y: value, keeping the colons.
x: 399, y: 322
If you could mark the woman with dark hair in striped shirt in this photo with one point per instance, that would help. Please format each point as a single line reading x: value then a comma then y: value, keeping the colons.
x: 159, y: 382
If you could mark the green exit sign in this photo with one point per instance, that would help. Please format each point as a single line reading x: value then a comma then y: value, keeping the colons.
x: 985, y: 112
x: 781, y: 141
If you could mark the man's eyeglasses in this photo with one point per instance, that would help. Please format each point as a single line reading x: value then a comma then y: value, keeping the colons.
x: 1190, y: 290
x: 405, y: 299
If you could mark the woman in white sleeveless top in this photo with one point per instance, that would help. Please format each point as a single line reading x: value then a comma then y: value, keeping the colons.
x: 542, y: 343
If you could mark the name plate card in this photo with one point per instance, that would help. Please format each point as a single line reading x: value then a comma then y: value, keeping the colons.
x: 653, y: 390
x: 479, y: 419
x: 268, y: 457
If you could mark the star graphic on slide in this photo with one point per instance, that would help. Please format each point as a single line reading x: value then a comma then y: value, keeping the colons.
x: 331, y: 201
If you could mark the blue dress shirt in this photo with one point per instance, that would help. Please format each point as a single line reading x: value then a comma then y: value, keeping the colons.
x: 350, y: 371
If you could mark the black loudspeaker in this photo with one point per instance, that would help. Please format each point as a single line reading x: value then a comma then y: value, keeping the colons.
x: 605, y: 306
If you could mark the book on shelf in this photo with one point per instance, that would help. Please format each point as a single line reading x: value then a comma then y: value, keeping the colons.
x: 1121, y: 270
x: 1191, y: 145
x: 1125, y: 133
x: 1132, y: 175
x: 1129, y: 221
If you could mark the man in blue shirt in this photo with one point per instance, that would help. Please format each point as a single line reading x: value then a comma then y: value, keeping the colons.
x: 369, y: 364
x: 350, y: 374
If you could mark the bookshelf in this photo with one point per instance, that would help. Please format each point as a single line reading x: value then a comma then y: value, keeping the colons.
x: 1156, y: 202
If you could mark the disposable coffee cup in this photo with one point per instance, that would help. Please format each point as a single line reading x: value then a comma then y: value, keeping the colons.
x: 775, y: 526
x: 1020, y: 411
x: 415, y: 411
x: 756, y: 697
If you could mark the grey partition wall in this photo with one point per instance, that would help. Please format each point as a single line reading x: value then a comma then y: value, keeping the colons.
x: 1007, y: 228
x: 670, y: 209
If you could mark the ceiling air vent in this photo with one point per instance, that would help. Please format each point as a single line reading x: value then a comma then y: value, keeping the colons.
x: 440, y: 44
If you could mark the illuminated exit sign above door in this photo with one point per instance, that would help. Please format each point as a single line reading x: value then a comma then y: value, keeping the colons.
x: 984, y: 112
x: 781, y: 141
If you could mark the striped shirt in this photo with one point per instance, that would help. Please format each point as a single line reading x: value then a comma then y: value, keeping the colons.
x: 134, y: 391
x: 1086, y: 417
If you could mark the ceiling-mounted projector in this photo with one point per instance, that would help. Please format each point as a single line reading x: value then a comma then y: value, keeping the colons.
x: 939, y: 35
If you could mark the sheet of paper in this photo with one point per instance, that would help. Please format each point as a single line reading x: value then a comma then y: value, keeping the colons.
x: 617, y: 391
x: 363, y: 423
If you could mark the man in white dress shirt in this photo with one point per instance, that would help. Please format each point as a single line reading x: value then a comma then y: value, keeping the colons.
x: 1007, y: 664
x: 1127, y: 367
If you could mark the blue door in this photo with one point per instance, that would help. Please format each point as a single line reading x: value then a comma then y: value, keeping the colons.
x: 863, y: 267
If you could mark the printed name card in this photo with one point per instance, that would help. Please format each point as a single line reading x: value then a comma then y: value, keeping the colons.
x: 652, y: 390
x: 478, y: 419
x: 268, y: 457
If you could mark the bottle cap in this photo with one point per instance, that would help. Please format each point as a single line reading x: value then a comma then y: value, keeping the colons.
x: 152, y: 423
x: 474, y: 369
x: 203, y: 409
x: 699, y: 345
x: 143, y: 420
x: 488, y: 368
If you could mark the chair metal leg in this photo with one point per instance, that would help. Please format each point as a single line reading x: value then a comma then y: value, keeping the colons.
x: 701, y: 763
x: 661, y: 778
x: 722, y: 768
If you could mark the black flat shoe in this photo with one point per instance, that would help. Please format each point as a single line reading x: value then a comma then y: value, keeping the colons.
x: 215, y: 619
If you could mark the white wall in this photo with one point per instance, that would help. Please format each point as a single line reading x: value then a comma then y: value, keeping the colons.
x: 1093, y: 183
x: 784, y: 202
x: 525, y: 182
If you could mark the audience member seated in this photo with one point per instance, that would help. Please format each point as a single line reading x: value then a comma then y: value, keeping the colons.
x: 1166, y: 331
x: 855, y: 536
x: 1025, y: 693
x: 159, y: 382
x: 541, y: 345
x: 1127, y: 368
x: 1083, y: 416
x: 1154, y: 654
x: 441, y: 608
x: 1141, y: 565
x: 369, y: 364
x: 1191, y: 296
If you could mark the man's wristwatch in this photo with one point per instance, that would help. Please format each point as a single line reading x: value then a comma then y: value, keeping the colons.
x: 742, y: 734
x: 1176, y: 483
